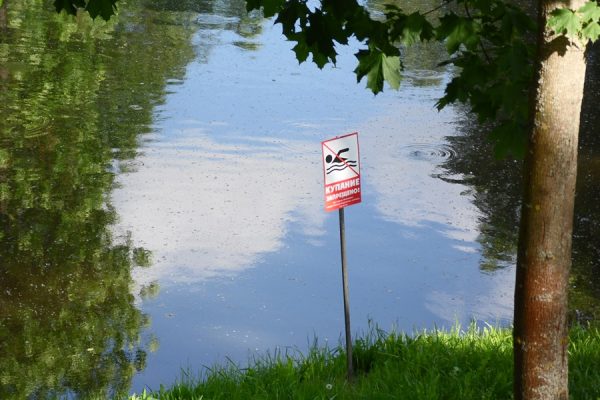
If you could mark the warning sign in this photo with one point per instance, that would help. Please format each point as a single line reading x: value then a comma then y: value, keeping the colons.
x: 341, y: 170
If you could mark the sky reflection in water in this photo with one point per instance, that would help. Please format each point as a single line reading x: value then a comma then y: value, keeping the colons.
x: 227, y: 195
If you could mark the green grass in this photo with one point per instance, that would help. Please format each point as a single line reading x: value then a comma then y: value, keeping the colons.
x: 471, y: 364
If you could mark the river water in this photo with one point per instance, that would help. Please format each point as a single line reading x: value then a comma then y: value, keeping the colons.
x: 161, y: 200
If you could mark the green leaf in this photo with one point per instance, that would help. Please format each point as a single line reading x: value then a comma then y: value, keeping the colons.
x: 564, y: 21
x: 369, y: 65
x: 320, y: 59
x: 319, y: 38
x: 589, y: 12
x: 340, y: 9
x: 457, y: 30
x: 271, y: 7
x: 291, y: 13
x: 515, y: 23
x: 591, y: 31
x: 455, y: 91
x: 513, y: 59
x: 415, y: 29
x: 253, y: 5
x: 102, y: 8
x: 378, y: 68
x: 301, y: 50
x: 391, y: 70
x: 509, y: 138
x: 363, y: 27
x: 69, y: 6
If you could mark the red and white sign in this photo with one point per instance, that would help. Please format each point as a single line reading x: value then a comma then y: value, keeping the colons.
x: 341, y: 170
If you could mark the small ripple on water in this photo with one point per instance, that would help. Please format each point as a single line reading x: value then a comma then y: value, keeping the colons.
x: 433, y: 152
x: 212, y: 20
x: 436, y: 154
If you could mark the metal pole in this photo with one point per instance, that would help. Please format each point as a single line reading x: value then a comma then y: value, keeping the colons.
x: 346, y: 301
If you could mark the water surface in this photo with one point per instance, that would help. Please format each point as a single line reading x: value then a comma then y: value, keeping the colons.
x: 161, y: 200
x: 227, y: 195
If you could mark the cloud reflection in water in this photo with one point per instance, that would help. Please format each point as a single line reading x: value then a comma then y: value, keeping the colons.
x: 404, y: 176
x: 206, y: 208
x: 403, y: 172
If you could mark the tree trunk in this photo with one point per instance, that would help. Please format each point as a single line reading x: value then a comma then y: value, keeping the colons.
x: 544, y: 256
x: 4, y: 15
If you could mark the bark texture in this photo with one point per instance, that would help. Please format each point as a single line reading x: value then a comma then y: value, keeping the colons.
x: 4, y: 15
x: 544, y: 256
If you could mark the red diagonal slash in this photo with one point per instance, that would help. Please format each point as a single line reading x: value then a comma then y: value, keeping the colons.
x: 344, y: 161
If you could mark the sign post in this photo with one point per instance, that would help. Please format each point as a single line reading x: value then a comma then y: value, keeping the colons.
x: 350, y: 367
x: 341, y: 171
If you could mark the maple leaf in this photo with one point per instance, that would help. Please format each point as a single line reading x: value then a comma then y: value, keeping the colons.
x: 564, y: 21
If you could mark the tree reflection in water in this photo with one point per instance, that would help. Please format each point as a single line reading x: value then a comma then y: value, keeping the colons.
x: 74, y: 97
x: 497, y: 187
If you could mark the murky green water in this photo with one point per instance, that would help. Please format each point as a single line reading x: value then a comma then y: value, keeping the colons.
x: 161, y: 199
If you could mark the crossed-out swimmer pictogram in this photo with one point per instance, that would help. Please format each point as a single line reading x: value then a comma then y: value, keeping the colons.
x: 339, y: 163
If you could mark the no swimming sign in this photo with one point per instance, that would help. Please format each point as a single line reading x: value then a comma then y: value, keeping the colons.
x: 341, y: 171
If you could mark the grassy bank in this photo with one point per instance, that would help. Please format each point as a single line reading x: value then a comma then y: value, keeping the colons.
x: 471, y: 364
